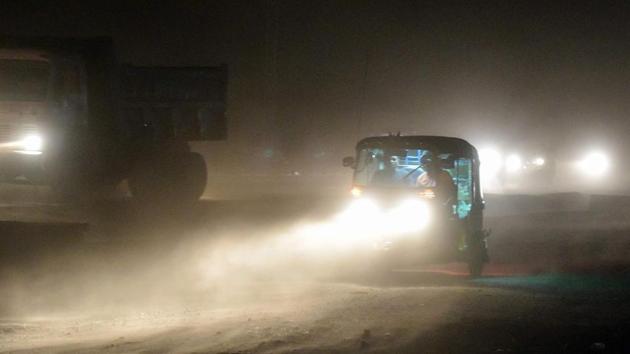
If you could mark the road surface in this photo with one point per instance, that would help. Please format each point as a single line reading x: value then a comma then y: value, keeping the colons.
x: 236, y: 277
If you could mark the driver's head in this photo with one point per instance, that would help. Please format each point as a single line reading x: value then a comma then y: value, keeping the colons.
x: 429, y: 163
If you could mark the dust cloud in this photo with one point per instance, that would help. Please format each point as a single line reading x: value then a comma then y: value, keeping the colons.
x: 129, y: 262
x: 285, y: 268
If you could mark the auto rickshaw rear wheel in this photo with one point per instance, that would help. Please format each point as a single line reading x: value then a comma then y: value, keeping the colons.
x: 477, y: 255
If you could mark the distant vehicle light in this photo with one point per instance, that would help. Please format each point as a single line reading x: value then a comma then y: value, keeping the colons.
x: 513, y: 163
x: 538, y: 161
x: 491, y: 162
x: 356, y: 192
x: 32, y: 143
x: 594, y: 164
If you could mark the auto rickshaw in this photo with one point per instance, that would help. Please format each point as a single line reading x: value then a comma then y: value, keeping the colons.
x: 427, y: 188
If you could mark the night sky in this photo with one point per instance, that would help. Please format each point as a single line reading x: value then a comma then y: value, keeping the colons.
x: 308, y: 78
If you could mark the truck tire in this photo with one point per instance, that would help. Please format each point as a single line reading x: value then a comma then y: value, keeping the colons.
x: 173, y: 180
x: 193, y: 181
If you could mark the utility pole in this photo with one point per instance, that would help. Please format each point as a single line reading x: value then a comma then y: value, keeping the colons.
x: 364, y: 86
x: 369, y: 47
x: 272, y: 28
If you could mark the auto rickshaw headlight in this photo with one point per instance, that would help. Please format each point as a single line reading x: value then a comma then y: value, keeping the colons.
x: 356, y: 191
x: 364, y: 214
x: 360, y: 209
x: 410, y: 215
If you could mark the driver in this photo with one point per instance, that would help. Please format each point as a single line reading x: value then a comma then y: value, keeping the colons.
x: 434, y: 176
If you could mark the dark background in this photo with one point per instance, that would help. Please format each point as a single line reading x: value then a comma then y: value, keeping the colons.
x: 308, y: 78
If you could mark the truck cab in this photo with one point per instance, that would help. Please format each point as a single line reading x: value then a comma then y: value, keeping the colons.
x: 74, y: 118
x: 26, y: 78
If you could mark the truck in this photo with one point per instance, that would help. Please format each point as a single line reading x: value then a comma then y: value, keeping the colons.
x: 76, y: 119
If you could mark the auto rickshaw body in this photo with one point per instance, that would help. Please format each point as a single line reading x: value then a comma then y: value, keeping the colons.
x: 426, y: 188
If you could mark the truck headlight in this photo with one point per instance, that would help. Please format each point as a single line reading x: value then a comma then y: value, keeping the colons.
x: 32, y: 143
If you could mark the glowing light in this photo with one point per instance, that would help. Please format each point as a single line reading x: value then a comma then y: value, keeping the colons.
x: 356, y: 191
x: 513, y: 163
x: 491, y: 162
x: 32, y: 143
x: 538, y: 161
x: 355, y: 226
x: 360, y: 212
x: 594, y: 164
x: 409, y: 216
x: 363, y: 224
x: 427, y: 193
x: 364, y: 216
x: 28, y: 152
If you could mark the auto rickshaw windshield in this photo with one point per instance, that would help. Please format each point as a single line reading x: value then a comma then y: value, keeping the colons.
x: 408, y: 168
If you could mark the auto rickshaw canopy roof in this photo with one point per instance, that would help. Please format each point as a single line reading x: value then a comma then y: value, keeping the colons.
x: 441, y: 144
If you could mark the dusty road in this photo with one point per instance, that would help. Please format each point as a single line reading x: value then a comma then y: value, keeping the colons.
x: 239, y: 277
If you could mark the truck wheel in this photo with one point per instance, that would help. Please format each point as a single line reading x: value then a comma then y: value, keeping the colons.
x: 192, y: 182
x: 173, y: 180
